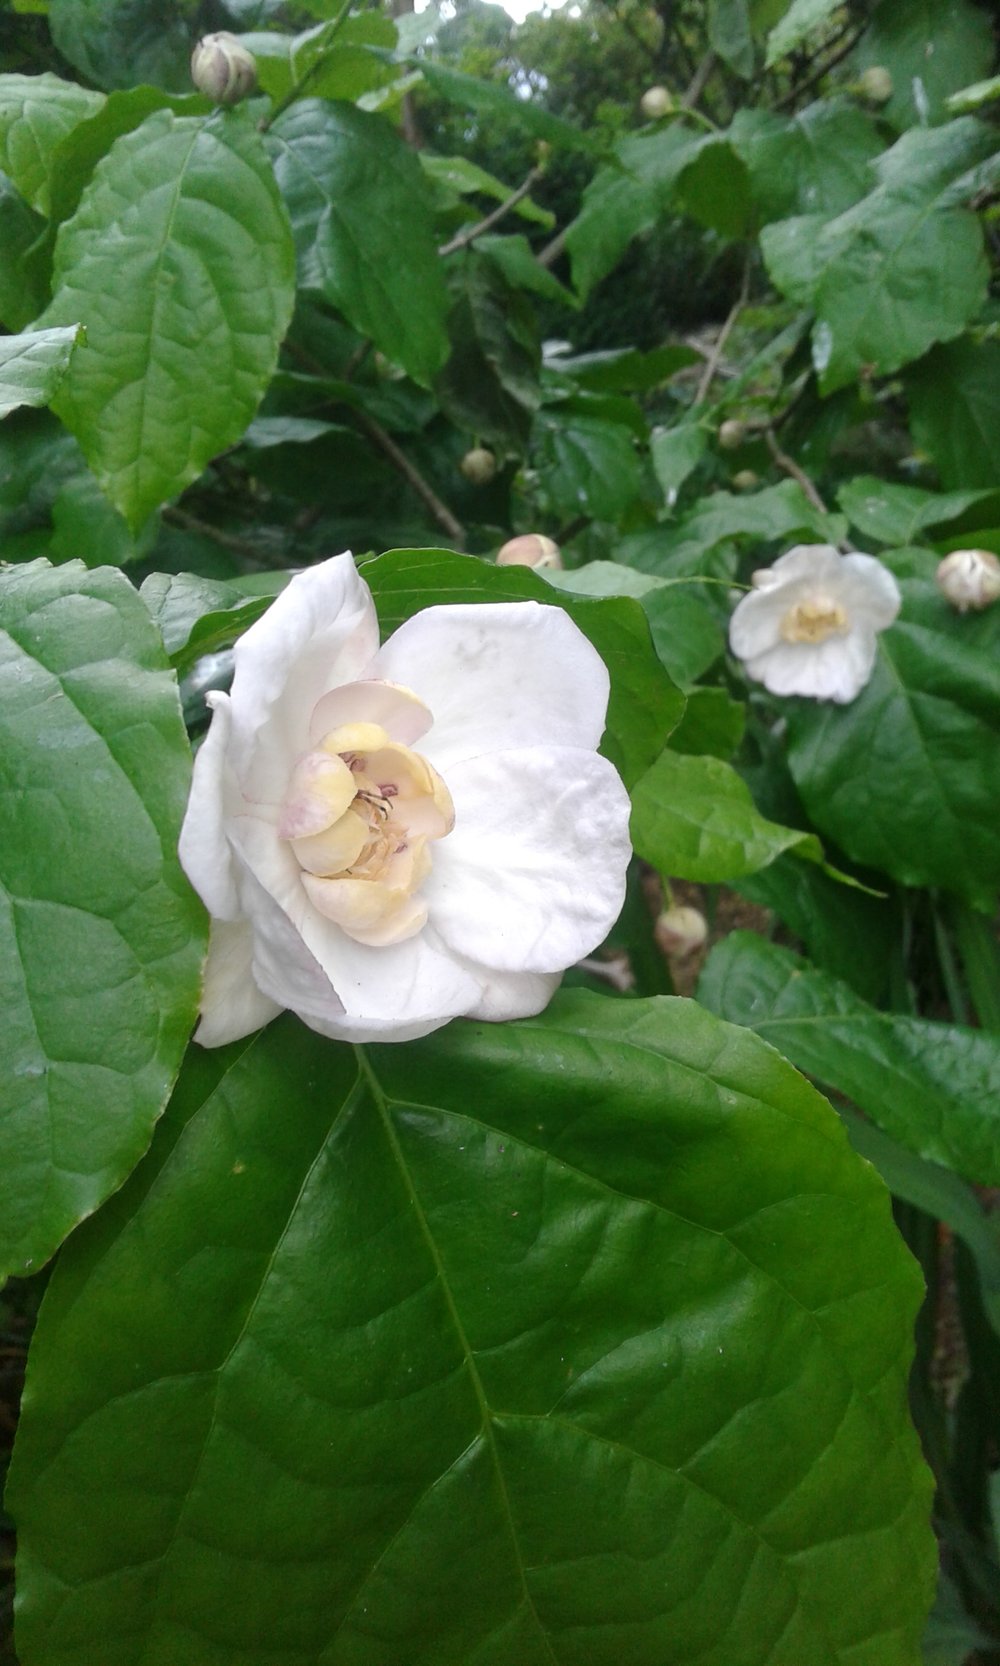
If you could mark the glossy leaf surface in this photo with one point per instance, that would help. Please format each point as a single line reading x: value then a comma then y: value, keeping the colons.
x: 477, y: 1351
x: 101, y: 939
x: 33, y: 365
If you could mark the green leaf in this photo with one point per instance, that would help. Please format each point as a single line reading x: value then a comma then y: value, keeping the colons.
x: 972, y: 98
x: 87, y: 528
x: 515, y: 258
x: 899, y: 271
x: 180, y: 265
x: 33, y: 365
x: 930, y: 51
x: 693, y: 818
x: 934, y: 1088
x: 36, y: 112
x: 357, y: 197
x: 675, y: 453
x: 625, y: 199
x: 644, y: 704
x: 77, y: 155
x: 623, y: 369
x: 586, y: 466
x: 907, y: 777
x: 817, y: 161
x: 475, y: 1351
x: 954, y: 399
x: 729, y: 35
x: 831, y: 919
x: 496, y: 104
x: 712, y: 723
x: 21, y: 296
x: 101, y: 937
x: 489, y: 385
x: 686, y: 634
x: 116, y: 43
x: 464, y: 177
x: 773, y: 515
x: 901, y: 515
x: 801, y: 18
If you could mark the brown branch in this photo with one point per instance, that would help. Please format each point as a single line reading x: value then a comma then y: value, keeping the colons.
x: 790, y: 467
x: 702, y: 76
x: 796, y: 92
x: 401, y: 463
x: 469, y: 235
x: 225, y: 540
x: 551, y: 252
x: 714, y: 357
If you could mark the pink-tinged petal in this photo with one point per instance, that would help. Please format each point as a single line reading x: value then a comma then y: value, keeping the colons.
x: 870, y: 591
x: 321, y: 631
x: 397, y: 710
x: 320, y: 791
x: 498, y: 676
x: 232, y: 1006
x: 204, y: 848
x: 533, y: 876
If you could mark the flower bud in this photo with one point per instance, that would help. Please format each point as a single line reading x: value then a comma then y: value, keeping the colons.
x: 680, y: 931
x: 746, y: 480
x: 969, y: 579
x: 876, y: 84
x: 223, y: 69
x: 732, y: 433
x: 656, y: 102
x: 532, y: 549
x: 479, y: 466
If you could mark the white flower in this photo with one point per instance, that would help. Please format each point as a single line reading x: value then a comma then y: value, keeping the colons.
x: 810, y: 623
x: 969, y: 579
x: 389, y: 838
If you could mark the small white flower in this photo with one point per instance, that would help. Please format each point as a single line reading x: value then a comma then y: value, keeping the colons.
x: 390, y: 838
x: 810, y: 623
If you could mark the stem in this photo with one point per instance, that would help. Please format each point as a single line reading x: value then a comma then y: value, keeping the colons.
x: 796, y: 92
x: 791, y: 467
x: 714, y: 357
x: 298, y: 87
x: 701, y: 77
x: 464, y: 238
x: 950, y: 974
x: 979, y: 951
x: 399, y: 460
x: 225, y: 540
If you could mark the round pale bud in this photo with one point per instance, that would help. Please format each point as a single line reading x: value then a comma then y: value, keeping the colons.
x: 531, y: 549
x: 732, y: 433
x: 680, y: 931
x: 875, y: 84
x: 479, y: 466
x: 969, y: 579
x: 745, y: 480
x: 656, y: 102
x: 223, y: 69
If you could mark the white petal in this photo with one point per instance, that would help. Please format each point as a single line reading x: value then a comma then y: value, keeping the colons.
x: 394, y: 992
x: 203, y: 847
x: 498, y: 676
x: 755, y: 626
x: 320, y: 632
x: 819, y: 564
x: 870, y: 591
x: 397, y: 710
x: 508, y: 995
x: 533, y: 876
x: 231, y: 1004
x: 837, y: 669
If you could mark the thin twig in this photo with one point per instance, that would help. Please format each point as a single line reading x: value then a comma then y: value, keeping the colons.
x: 225, y: 540
x: 714, y: 357
x: 399, y: 460
x: 795, y: 93
x: 789, y: 466
x: 551, y: 252
x: 701, y: 78
x: 469, y: 235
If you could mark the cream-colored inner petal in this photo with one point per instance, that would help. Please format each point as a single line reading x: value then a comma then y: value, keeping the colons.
x: 359, y: 814
x: 814, y: 621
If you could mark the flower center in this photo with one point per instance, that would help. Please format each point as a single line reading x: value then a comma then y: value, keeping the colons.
x: 814, y: 621
x: 359, y: 813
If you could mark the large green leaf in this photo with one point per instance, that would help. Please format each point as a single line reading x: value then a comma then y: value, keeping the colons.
x: 489, y: 385
x: 772, y: 516
x: 33, y: 365
x: 101, y: 938
x: 934, y: 1088
x: 801, y: 18
x: 693, y: 818
x: 586, y: 466
x: 907, y: 777
x: 905, y: 515
x: 644, y: 704
x: 495, y: 103
x: 36, y: 112
x: 817, y: 161
x: 179, y: 262
x: 116, y: 43
x: 686, y: 633
x: 729, y: 34
x: 359, y: 206
x: 902, y: 269
x: 954, y: 397
x: 21, y: 296
x: 930, y: 49
x: 574, y: 1341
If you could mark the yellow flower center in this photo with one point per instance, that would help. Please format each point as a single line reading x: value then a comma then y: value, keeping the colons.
x: 359, y: 814
x: 814, y: 621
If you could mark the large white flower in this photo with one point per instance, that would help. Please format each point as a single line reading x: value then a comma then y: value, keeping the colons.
x: 389, y: 838
x: 810, y: 623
